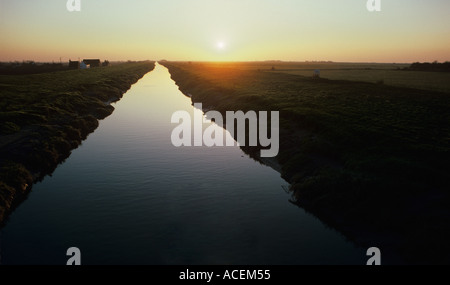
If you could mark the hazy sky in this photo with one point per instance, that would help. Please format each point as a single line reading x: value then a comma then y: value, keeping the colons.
x: 338, y: 30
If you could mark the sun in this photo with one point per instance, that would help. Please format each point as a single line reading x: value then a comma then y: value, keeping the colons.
x: 220, y: 45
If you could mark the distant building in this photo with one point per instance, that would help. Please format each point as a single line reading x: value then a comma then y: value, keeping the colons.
x: 92, y: 62
x: 74, y: 64
x: 83, y: 65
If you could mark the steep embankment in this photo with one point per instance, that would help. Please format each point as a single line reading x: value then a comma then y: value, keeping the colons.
x: 368, y: 159
x: 45, y: 116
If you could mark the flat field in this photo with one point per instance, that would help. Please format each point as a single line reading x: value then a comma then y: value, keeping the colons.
x: 380, y: 73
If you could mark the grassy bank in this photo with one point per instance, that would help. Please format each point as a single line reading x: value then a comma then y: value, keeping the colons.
x: 45, y: 116
x: 369, y: 159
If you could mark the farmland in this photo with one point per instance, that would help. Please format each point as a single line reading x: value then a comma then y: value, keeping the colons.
x: 380, y: 73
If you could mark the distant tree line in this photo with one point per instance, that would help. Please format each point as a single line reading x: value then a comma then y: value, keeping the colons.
x: 30, y: 67
x: 434, y: 66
